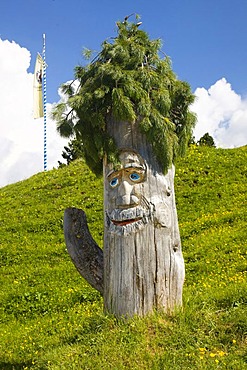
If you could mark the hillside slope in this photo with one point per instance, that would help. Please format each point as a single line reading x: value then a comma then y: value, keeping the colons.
x: 51, y: 319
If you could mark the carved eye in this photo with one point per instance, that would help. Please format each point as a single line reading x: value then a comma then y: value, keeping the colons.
x: 134, y: 176
x: 114, y: 182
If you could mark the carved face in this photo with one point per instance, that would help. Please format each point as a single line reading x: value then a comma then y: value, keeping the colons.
x: 127, y: 209
x: 136, y: 196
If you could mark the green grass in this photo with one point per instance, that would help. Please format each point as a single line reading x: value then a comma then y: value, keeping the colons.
x: 50, y: 318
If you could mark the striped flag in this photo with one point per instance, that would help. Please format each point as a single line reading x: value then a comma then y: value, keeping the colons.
x: 38, y: 109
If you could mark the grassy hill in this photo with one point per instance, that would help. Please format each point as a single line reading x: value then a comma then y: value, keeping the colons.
x: 50, y: 318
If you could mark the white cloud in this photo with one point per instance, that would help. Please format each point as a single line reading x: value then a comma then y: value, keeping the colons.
x: 222, y: 113
x: 21, y: 137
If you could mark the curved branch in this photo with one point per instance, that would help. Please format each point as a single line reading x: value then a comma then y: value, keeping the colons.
x: 86, y: 255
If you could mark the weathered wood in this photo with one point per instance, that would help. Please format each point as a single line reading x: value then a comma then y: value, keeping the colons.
x: 84, y: 251
x: 142, y: 265
x: 143, y: 262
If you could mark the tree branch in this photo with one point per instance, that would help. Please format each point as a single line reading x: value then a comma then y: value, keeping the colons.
x: 86, y: 255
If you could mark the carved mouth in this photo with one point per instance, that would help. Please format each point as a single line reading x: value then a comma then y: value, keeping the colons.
x: 125, y: 222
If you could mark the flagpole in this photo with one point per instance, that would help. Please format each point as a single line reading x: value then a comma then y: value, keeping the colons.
x: 44, y: 103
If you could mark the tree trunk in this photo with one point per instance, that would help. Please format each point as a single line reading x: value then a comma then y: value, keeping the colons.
x: 143, y: 262
x: 142, y: 267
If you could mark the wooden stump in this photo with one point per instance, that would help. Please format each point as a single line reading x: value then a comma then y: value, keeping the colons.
x: 143, y: 262
x: 141, y: 267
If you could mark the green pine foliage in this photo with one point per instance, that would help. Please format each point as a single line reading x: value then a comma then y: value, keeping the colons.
x: 207, y: 140
x: 129, y: 81
x: 72, y: 151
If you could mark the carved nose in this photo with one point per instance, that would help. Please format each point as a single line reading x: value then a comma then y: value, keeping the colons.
x: 126, y: 195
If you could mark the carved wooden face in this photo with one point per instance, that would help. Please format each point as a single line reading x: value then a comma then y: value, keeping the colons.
x: 127, y: 209
x: 135, y: 196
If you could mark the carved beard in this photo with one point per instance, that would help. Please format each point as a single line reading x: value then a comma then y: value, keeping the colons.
x: 130, y: 220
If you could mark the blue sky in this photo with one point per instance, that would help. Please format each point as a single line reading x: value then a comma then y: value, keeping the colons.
x: 206, y: 41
